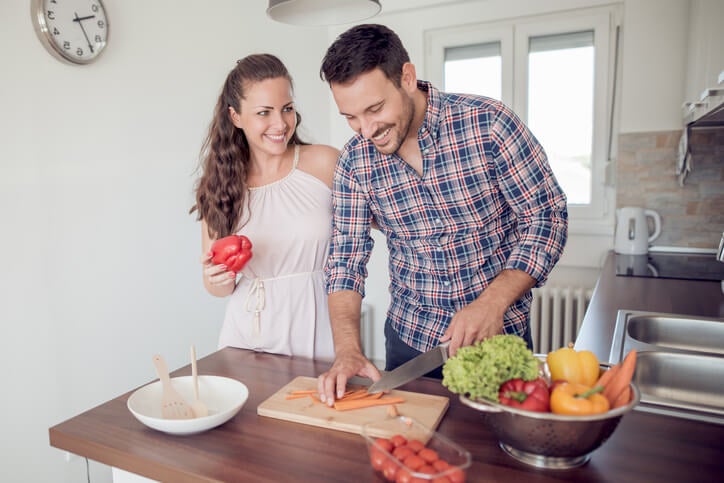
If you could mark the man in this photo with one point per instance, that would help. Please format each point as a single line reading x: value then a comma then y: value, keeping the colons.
x: 464, y: 194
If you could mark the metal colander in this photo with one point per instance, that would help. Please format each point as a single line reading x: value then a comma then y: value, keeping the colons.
x: 550, y: 440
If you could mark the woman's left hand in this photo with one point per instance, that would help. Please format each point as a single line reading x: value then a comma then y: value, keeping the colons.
x: 216, y: 275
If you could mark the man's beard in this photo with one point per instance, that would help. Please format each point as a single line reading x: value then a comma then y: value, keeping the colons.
x: 408, y: 114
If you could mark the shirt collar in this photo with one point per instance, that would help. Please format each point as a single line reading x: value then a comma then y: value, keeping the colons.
x: 434, y: 108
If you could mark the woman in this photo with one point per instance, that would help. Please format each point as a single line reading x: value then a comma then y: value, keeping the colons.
x: 260, y: 180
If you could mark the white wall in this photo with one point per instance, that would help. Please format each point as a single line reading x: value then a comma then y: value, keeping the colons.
x: 100, y: 256
x: 96, y: 172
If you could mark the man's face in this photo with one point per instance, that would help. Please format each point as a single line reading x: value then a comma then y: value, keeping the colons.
x: 377, y: 109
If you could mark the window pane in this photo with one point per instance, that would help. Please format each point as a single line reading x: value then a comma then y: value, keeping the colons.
x: 474, y: 69
x: 560, y: 107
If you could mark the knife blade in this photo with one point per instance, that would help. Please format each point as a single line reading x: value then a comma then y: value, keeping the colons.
x: 412, y: 369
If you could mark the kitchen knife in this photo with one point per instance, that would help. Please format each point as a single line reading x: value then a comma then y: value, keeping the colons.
x: 412, y: 369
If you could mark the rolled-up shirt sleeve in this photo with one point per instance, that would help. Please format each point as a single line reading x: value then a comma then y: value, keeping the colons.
x: 351, y: 243
x: 532, y: 191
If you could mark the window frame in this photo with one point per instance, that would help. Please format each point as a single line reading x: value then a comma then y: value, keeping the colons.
x: 513, y: 34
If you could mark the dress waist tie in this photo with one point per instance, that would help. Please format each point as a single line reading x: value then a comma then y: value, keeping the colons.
x: 256, y: 290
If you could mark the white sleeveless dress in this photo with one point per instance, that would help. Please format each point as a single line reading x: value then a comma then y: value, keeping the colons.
x: 280, y: 302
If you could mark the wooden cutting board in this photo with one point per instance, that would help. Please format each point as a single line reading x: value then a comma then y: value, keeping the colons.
x: 427, y: 409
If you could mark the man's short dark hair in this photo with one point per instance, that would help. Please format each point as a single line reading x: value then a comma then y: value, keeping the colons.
x: 362, y: 49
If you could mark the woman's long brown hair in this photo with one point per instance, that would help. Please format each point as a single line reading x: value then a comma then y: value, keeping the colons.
x: 222, y: 190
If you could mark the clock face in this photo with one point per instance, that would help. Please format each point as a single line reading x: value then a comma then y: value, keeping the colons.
x: 72, y: 30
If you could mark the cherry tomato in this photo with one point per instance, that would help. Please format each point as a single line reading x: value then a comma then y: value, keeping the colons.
x: 402, y: 452
x: 377, y: 459
x: 385, y: 444
x: 403, y: 476
x: 429, y: 455
x: 389, y: 470
x: 415, y: 445
x: 414, y: 462
x: 440, y: 465
x: 398, y: 440
x: 457, y: 476
x: 426, y: 469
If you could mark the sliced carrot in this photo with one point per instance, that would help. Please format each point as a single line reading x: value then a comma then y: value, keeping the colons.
x: 608, y: 375
x: 365, y: 403
x: 296, y: 396
x: 315, y: 398
x: 352, y: 395
x: 623, y: 398
x: 302, y: 392
x: 622, y: 379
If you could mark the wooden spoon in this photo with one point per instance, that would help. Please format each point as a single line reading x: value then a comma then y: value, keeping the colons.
x: 173, y: 405
x: 200, y: 410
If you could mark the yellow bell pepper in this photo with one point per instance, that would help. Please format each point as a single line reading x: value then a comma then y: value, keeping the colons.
x: 578, y: 367
x: 578, y: 400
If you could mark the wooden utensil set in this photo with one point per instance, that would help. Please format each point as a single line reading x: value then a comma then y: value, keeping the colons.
x: 173, y: 405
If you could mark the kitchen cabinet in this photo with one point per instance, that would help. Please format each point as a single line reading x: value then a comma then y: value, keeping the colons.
x: 705, y: 56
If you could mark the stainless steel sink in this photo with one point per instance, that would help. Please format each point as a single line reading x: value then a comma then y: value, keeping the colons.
x: 670, y: 332
x: 680, y: 366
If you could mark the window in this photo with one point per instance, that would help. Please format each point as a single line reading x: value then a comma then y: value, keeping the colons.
x: 474, y: 69
x: 554, y: 71
x: 560, y: 68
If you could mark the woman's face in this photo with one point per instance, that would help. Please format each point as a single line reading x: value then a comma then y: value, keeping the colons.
x: 267, y: 116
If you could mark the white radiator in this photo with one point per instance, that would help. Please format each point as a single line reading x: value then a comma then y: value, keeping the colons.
x: 556, y: 314
x: 366, y: 330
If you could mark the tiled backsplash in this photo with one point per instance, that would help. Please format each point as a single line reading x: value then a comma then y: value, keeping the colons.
x: 691, y: 215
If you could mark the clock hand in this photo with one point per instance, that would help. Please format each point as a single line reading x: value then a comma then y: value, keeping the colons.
x: 78, y: 19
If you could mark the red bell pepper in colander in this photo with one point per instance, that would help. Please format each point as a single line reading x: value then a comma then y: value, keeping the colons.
x: 233, y: 251
x: 530, y: 395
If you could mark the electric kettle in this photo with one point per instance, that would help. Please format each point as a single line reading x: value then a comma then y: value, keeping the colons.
x: 632, y: 230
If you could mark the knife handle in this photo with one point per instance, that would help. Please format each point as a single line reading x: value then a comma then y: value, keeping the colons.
x: 445, y: 353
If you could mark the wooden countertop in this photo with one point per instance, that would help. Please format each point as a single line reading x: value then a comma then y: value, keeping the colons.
x: 645, y: 447
x: 613, y: 293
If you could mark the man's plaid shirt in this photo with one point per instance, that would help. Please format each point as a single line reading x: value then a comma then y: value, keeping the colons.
x: 487, y: 200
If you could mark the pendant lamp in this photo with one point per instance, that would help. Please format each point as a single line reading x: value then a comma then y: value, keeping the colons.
x: 322, y: 12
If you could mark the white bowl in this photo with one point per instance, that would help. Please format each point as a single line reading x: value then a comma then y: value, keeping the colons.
x: 223, y: 396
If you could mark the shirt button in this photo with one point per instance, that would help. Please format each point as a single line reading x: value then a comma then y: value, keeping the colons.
x: 438, y: 220
x: 446, y: 283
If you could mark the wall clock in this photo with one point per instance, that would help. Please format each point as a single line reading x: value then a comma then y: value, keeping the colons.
x: 74, y: 31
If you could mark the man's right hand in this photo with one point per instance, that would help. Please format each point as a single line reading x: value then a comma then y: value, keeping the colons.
x: 333, y: 383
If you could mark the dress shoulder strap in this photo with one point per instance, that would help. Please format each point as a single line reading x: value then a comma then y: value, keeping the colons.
x: 296, y: 156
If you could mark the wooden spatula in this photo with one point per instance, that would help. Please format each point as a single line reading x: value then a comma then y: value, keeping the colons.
x: 199, y: 408
x: 173, y: 405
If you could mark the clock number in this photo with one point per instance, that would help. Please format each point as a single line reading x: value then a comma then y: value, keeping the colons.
x: 66, y: 45
x: 56, y: 31
x: 101, y: 24
x: 51, y: 15
x: 94, y: 7
x: 53, y: 1
x: 79, y: 52
x: 98, y: 39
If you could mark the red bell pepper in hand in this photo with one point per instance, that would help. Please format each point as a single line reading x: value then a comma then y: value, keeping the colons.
x: 233, y: 251
x: 528, y: 395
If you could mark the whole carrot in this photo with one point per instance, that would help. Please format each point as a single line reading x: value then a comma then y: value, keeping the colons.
x: 608, y: 375
x: 623, y: 398
x: 622, y: 379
